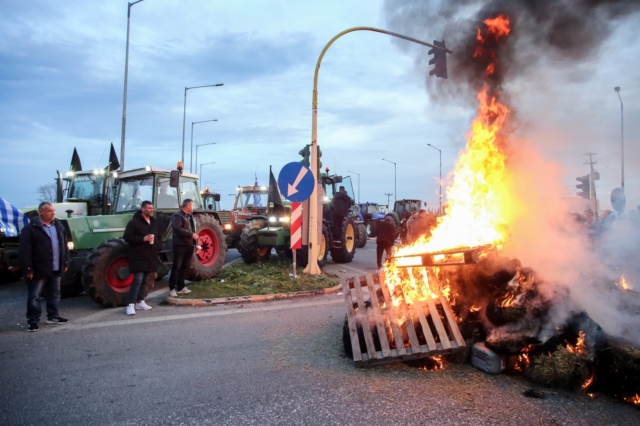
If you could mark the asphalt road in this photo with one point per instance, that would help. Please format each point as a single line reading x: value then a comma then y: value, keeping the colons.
x: 267, y: 363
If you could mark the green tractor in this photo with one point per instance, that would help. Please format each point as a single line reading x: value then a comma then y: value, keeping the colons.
x: 99, y: 255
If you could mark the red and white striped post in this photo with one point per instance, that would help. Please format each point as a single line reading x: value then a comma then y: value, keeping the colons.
x: 296, y: 231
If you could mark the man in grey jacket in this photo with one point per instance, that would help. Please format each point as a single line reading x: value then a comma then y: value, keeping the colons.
x: 184, y: 240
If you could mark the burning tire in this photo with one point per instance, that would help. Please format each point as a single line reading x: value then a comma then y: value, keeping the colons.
x: 105, y: 274
x: 372, y: 228
x: 302, y: 255
x: 249, y: 246
x: 347, y: 247
x: 210, y: 259
x: 362, y: 235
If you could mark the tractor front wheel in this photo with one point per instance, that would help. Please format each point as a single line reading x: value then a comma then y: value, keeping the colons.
x: 347, y: 247
x: 361, y: 240
x: 105, y: 274
x: 372, y: 228
x: 249, y: 247
x: 208, y: 261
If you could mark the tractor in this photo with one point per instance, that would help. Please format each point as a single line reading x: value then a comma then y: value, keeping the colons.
x: 370, y: 214
x: 250, y: 201
x: 99, y: 255
x: 402, y: 212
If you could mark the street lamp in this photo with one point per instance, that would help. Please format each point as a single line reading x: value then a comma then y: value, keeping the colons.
x: 395, y: 188
x: 358, y: 183
x: 200, y: 175
x: 440, y: 175
x: 124, y: 100
x: 184, y: 110
x: 191, y: 159
x: 617, y: 89
x: 202, y: 144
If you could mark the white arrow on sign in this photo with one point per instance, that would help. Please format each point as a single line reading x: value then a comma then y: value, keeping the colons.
x: 292, y: 188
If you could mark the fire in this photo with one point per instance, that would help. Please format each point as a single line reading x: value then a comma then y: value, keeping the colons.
x: 474, y: 308
x: 633, y: 399
x: 507, y: 301
x: 438, y: 363
x: 523, y: 359
x: 623, y: 284
x: 580, y: 347
x: 479, y: 203
x: 587, y: 383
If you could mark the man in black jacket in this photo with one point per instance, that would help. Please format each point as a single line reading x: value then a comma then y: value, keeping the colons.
x: 184, y: 240
x: 145, y: 243
x: 385, y: 237
x: 341, y: 205
x: 44, y: 256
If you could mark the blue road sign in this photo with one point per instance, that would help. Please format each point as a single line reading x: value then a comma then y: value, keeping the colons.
x: 296, y: 182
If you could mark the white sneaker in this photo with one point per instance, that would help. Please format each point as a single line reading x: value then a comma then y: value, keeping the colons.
x: 143, y: 306
x: 185, y: 291
x: 130, y: 309
x: 173, y: 293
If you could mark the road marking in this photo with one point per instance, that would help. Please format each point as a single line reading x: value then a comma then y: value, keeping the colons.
x: 264, y: 308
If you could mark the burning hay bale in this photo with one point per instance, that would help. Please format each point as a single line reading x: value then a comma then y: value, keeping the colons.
x: 619, y: 364
x: 562, y: 368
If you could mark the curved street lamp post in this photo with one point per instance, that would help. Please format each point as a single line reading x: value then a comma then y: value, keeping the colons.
x: 312, y: 267
x: 204, y: 164
x: 358, y: 183
x: 184, y: 112
x: 197, y: 146
x: 395, y: 188
x: 191, y: 159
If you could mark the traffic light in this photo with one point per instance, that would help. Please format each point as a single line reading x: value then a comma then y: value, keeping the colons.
x: 584, y: 186
x: 306, y: 154
x: 319, y: 155
x: 439, y: 60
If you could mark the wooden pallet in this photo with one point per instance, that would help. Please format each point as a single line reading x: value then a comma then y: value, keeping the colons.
x: 378, y: 334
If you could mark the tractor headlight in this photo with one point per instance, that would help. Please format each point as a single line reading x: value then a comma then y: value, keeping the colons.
x: 70, y: 245
x: 272, y: 219
x: 284, y: 219
x: 227, y: 226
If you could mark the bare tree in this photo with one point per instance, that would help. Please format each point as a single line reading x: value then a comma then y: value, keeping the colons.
x: 47, y: 193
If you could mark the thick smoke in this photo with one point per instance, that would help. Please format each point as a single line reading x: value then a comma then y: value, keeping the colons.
x: 579, y: 271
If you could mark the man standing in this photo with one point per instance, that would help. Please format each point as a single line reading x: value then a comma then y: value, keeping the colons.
x: 44, y: 256
x: 145, y: 243
x: 184, y: 239
x: 385, y: 239
x: 341, y: 205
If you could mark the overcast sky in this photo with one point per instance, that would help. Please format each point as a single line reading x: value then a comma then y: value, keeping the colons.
x: 62, y: 75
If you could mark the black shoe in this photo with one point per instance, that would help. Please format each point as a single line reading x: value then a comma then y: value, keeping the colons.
x: 58, y: 320
x: 33, y: 327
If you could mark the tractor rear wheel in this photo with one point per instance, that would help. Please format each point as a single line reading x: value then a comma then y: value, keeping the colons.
x: 362, y: 235
x: 249, y: 244
x: 347, y: 249
x: 302, y: 255
x: 208, y: 261
x: 372, y: 228
x: 105, y: 274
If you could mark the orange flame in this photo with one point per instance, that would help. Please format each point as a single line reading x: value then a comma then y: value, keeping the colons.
x: 623, y: 284
x: 438, y: 363
x: 474, y: 308
x: 633, y: 399
x: 507, y: 301
x: 580, y: 347
x: 498, y: 29
x: 587, y: 383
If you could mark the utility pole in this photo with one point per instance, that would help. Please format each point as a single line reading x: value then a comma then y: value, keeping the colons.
x: 388, y: 195
x: 593, y: 176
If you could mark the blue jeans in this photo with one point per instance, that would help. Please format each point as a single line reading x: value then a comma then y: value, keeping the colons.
x: 137, y: 289
x: 34, y: 310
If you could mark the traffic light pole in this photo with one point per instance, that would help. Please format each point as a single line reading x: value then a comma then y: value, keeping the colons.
x: 312, y: 267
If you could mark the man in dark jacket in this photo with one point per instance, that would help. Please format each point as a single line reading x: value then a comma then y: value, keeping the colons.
x: 385, y: 238
x: 44, y: 256
x: 184, y: 240
x: 145, y: 243
x: 341, y: 205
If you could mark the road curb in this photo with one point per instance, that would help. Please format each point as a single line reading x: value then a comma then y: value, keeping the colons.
x: 251, y: 299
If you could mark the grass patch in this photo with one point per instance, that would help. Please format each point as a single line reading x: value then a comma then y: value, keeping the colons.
x: 241, y: 279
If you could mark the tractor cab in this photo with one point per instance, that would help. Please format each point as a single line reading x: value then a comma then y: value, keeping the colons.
x: 88, y: 189
x: 211, y: 200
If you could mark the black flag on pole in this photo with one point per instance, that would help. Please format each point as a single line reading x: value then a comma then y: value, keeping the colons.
x: 114, y: 164
x: 76, y: 166
x: 275, y: 200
